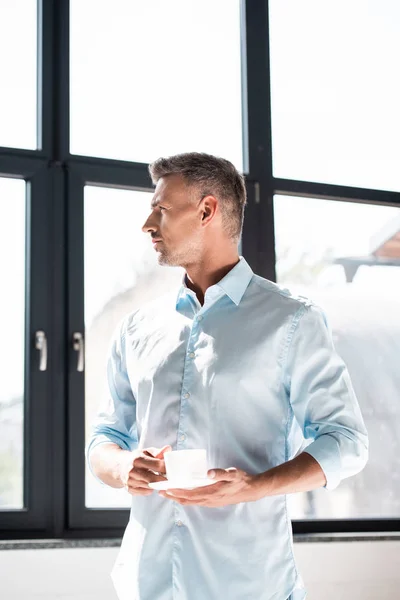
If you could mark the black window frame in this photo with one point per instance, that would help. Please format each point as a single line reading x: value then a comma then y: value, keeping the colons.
x: 54, y: 411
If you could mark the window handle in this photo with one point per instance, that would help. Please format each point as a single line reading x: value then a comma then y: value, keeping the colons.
x: 78, y: 346
x: 41, y: 345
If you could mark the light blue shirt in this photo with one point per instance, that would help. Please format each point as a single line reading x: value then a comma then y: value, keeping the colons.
x: 253, y: 377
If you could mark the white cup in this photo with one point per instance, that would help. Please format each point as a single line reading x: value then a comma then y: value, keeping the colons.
x: 186, y: 464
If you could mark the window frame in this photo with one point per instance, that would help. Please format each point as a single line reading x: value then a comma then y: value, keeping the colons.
x: 37, y: 412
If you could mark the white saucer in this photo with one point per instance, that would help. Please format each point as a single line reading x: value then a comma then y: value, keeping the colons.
x: 188, y: 484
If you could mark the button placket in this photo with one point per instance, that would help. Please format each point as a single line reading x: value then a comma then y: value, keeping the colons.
x: 182, y: 437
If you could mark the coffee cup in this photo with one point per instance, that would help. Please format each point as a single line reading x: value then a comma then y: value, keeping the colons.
x: 186, y: 464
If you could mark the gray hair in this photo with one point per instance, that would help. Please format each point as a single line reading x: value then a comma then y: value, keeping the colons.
x: 210, y: 175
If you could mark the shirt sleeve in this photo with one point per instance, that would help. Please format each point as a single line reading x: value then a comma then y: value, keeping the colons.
x: 116, y: 420
x: 323, y: 399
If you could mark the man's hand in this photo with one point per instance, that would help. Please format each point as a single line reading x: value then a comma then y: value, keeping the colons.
x: 301, y: 474
x: 234, y: 486
x: 139, y: 468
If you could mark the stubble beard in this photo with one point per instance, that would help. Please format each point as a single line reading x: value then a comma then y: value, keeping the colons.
x: 176, y: 259
x: 165, y: 258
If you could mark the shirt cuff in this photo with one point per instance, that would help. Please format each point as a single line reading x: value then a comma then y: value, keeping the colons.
x: 325, y: 449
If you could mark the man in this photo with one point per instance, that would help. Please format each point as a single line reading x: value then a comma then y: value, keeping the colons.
x: 232, y: 363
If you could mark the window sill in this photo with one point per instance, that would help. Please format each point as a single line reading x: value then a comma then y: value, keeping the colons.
x: 346, y: 537
x: 116, y: 542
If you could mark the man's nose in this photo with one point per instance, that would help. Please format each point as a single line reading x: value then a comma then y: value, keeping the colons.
x: 148, y: 226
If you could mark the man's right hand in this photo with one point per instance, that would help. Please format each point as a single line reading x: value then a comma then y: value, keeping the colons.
x: 141, y: 467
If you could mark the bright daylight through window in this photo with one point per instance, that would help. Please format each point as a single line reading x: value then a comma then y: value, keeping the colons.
x: 160, y: 90
x: 12, y: 326
x: 346, y: 258
x: 18, y: 102
x: 119, y: 276
x: 335, y: 91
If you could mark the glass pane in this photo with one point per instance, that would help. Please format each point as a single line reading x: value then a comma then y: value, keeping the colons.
x: 12, y: 326
x: 120, y: 276
x: 335, y: 91
x: 163, y: 82
x: 346, y: 257
x: 18, y: 60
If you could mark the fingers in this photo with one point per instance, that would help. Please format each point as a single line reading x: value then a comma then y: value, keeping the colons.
x: 223, y: 474
x: 141, y: 468
x: 196, y: 493
x: 138, y: 481
x: 147, y: 462
x: 145, y: 476
x: 157, y: 452
x: 164, y: 449
x: 152, y: 459
x: 145, y: 469
x: 138, y: 490
x: 185, y: 501
x: 150, y: 452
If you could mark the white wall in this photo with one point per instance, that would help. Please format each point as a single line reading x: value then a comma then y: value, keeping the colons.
x: 350, y: 570
x: 332, y: 571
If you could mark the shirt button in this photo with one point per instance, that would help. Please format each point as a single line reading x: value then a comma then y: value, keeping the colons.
x: 179, y: 523
x: 200, y: 317
x: 192, y: 355
x: 182, y: 437
x: 187, y: 395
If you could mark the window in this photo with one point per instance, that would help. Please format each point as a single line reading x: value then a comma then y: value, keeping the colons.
x: 18, y: 51
x: 346, y: 258
x: 335, y: 91
x: 156, y: 88
x: 12, y: 350
x: 121, y: 274
x: 91, y: 93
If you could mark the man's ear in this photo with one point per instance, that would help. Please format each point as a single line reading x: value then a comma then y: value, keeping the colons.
x: 207, y: 208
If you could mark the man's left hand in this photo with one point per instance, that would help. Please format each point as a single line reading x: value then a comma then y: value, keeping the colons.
x: 233, y: 486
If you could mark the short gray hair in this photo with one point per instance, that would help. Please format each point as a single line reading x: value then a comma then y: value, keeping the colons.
x: 210, y: 175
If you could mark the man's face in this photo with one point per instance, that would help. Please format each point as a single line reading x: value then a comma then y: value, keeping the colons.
x: 175, y: 220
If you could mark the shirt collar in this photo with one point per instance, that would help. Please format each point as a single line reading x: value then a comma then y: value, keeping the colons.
x: 234, y: 284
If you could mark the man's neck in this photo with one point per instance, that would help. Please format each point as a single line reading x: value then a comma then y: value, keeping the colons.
x: 199, y: 278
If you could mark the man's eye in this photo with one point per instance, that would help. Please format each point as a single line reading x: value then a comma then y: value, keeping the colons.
x: 162, y: 208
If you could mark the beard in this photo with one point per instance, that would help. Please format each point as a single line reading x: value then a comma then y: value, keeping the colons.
x: 168, y: 259
x: 177, y: 258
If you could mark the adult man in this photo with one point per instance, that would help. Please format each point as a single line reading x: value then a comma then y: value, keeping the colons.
x: 234, y: 364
